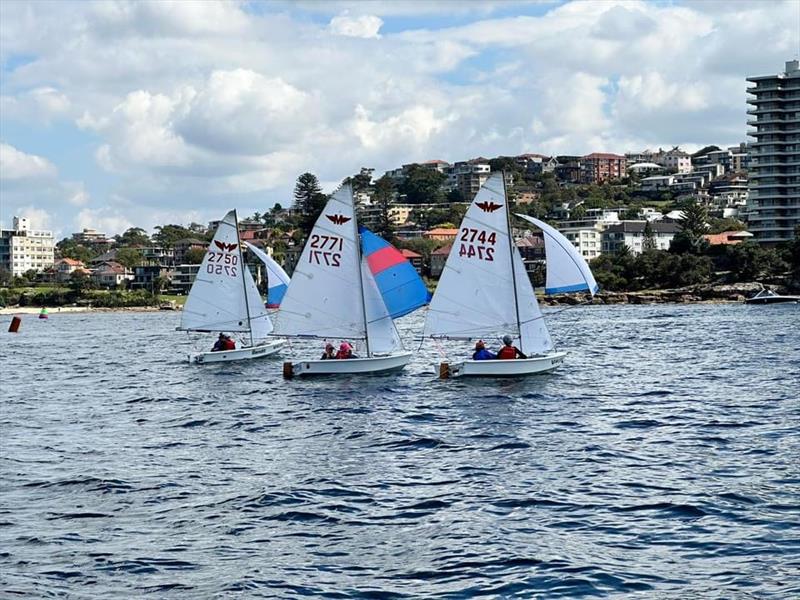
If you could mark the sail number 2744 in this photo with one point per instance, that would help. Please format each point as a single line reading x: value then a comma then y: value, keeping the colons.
x: 477, y: 243
x: 326, y: 250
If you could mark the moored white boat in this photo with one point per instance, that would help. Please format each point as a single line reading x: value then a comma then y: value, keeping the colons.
x: 770, y: 297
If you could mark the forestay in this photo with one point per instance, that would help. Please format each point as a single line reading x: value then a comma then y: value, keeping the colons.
x: 476, y: 297
x: 217, y: 300
x: 324, y: 296
x: 567, y: 271
x: 277, y: 279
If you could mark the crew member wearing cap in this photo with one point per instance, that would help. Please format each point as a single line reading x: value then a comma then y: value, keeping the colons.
x: 481, y: 353
x: 508, y: 351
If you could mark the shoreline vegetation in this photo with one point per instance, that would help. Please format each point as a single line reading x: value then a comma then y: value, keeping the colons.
x: 31, y: 302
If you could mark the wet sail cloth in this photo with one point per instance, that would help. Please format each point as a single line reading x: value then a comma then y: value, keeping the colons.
x: 567, y: 271
x: 224, y: 296
x: 399, y: 283
x: 277, y: 279
x: 484, y: 290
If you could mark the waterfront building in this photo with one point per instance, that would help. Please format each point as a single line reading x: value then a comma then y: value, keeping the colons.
x: 774, y: 199
x: 438, y: 258
x: 674, y: 160
x: 441, y: 234
x: 111, y: 274
x: 65, y: 267
x: 468, y: 176
x: 631, y: 234
x: 24, y: 249
x: 588, y: 241
x: 92, y: 237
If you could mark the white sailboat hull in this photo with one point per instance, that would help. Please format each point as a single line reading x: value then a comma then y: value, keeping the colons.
x: 503, y: 368
x: 350, y: 366
x: 246, y: 353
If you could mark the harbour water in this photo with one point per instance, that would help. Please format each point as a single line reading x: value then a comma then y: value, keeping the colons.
x: 661, y: 460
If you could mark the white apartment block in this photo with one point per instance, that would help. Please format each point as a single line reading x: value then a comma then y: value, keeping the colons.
x: 24, y: 249
x: 588, y: 241
x: 632, y: 235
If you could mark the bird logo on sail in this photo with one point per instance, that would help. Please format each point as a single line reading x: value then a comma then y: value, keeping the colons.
x: 488, y: 206
x: 225, y: 247
x: 338, y: 219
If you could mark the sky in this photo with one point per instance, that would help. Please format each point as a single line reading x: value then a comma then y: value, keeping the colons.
x: 132, y: 113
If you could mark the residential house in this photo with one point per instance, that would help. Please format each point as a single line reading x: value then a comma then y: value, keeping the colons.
x: 111, y: 274
x: 145, y: 276
x: 675, y: 160
x: 569, y: 168
x: 468, y: 177
x: 183, y: 277
x: 728, y: 238
x: 181, y: 247
x: 438, y: 258
x: 531, y: 249
x: 587, y: 240
x: 441, y: 234
x: 657, y: 183
x: 631, y: 234
x: 413, y: 257
x: 602, y: 166
x: 65, y: 267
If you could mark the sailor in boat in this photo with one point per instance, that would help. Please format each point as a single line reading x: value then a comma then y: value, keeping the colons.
x: 224, y: 342
x: 329, y: 353
x: 345, y: 351
x: 508, y: 351
x: 481, y: 353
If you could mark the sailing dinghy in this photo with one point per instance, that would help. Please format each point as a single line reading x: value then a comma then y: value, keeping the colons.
x: 224, y: 298
x: 333, y: 295
x: 484, y: 291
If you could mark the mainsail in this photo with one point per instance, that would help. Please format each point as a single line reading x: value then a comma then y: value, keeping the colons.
x: 567, y: 271
x: 224, y: 296
x: 484, y: 290
x: 324, y: 296
x: 277, y: 279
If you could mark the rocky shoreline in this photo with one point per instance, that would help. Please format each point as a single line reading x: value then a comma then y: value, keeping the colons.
x: 736, y: 292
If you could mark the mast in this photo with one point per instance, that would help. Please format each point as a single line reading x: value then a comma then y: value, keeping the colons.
x: 360, y: 272
x: 511, y: 250
x: 242, y: 267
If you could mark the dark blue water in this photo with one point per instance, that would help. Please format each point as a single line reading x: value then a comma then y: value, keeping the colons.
x: 661, y: 461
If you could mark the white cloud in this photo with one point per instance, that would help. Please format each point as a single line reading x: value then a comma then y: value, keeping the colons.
x: 201, y: 106
x: 106, y: 220
x: 38, y: 218
x: 15, y: 164
x: 363, y: 26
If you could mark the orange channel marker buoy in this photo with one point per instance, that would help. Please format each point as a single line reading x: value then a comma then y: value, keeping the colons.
x: 15, y: 323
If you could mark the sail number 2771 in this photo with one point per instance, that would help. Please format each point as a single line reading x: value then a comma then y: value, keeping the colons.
x: 325, y: 250
x: 477, y: 243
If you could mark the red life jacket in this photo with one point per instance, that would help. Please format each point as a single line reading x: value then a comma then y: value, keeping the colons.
x: 507, y: 352
x: 229, y: 344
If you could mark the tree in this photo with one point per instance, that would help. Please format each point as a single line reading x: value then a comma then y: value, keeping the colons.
x: 382, y: 198
x: 649, y: 239
x: 692, y: 226
x: 362, y: 181
x: 194, y: 256
x: 308, y: 200
x: 79, y: 281
x: 727, y: 224
x: 129, y: 257
x: 135, y: 236
x: 423, y: 185
x: 69, y: 248
x: 167, y: 235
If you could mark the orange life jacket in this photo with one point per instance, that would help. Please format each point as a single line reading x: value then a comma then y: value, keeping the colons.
x: 507, y: 352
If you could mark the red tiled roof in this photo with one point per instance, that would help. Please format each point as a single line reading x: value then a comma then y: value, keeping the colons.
x: 727, y: 238
x: 442, y: 231
x: 436, y: 161
x: 443, y: 250
x: 410, y: 253
x: 71, y: 262
x: 603, y: 155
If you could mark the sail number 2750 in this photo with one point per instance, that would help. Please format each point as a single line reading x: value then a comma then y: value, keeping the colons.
x: 222, y: 262
x: 477, y: 243
x: 325, y: 250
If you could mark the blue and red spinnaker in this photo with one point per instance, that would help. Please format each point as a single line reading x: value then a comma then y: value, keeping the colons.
x: 400, y: 285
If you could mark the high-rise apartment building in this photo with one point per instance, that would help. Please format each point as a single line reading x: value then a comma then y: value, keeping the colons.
x: 774, y: 192
x: 23, y: 249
